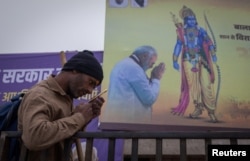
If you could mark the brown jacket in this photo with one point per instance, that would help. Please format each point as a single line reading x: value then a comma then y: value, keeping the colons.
x: 45, y: 119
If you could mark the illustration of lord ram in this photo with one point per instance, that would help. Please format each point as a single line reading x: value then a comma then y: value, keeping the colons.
x: 194, y: 56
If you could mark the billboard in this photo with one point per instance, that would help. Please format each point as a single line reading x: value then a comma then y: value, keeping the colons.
x: 205, y: 48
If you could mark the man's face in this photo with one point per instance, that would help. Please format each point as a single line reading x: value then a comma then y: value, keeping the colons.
x: 149, y: 62
x: 191, y: 21
x: 81, y: 84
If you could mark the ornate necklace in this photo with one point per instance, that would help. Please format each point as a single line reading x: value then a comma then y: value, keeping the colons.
x: 191, y: 48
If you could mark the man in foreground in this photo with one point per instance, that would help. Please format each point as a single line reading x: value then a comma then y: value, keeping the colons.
x: 46, y: 115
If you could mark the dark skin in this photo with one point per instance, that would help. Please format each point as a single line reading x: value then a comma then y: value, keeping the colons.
x: 77, y: 84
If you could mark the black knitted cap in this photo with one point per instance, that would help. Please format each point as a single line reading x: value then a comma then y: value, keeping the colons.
x: 85, y: 62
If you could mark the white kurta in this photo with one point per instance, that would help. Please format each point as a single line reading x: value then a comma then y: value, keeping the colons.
x: 131, y: 94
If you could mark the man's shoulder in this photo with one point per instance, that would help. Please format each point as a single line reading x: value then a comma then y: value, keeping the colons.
x: 127, y: 65
x: 202, y: 30
x: 41, y: 88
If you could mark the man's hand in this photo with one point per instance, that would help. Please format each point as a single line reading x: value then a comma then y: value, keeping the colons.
x: 214, y: 58
x: 90, y: 110
x: 158, y: 71
x: 176, y: 65
x: 96, y: 106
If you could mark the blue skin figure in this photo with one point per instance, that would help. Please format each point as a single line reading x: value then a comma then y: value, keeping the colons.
x: 197, y: 52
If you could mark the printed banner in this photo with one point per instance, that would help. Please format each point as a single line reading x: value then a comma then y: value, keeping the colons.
x: 205, y: 48
x: 19, y: 72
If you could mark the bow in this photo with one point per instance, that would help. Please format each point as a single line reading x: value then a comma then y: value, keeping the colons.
x: 217, y: 66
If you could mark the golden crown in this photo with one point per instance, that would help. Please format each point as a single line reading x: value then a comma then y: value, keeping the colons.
x: 185, y: 11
